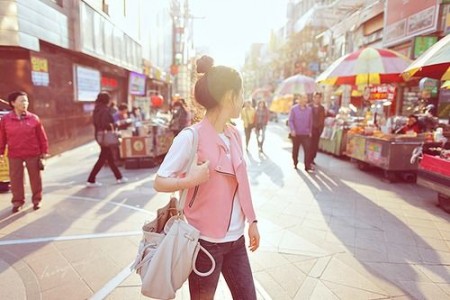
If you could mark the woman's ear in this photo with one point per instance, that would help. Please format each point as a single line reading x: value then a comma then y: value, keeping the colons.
x: 229, y: 98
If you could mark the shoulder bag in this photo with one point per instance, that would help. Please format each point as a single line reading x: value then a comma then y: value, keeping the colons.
x: 168, y: 250
x: 107, y: 138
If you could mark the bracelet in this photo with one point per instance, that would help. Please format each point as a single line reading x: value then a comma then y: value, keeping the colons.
x: 255, y: 221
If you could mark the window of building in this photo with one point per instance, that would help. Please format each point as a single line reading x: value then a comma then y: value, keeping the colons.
x: 58, y: 2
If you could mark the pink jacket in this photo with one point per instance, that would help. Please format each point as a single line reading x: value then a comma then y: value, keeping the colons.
x: 24, y: 136
x: 208, y: 206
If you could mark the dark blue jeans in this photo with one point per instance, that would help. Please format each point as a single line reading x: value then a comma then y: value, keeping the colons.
x: 232, y: 261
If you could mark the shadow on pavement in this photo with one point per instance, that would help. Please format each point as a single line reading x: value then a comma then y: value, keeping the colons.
x: 367, y: 235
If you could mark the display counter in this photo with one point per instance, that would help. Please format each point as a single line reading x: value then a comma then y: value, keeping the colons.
x: 148, y: 149
x: 392, y: 154
x: 434, y: 172
x: 335, y: 143
x: 334, y: 137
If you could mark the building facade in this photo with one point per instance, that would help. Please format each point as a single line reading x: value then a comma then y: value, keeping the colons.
x: 63, y: 53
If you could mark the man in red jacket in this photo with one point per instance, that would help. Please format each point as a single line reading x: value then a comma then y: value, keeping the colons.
x: 27, y: 143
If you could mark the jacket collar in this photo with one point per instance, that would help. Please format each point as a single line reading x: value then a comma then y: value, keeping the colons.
x: 24, y: 115
x: 211, y: 132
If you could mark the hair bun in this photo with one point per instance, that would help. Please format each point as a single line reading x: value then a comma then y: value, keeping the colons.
x: 204, y: 64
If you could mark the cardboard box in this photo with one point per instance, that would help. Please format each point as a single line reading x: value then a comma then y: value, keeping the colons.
x: 136, y: 146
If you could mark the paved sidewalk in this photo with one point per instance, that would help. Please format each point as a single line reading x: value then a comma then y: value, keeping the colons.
x: 338, y: 233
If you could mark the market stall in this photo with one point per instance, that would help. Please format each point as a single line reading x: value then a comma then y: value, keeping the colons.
x: 147, y: 147
x: 434, y: 171
x: 389, y: 152
x: 334, y: 136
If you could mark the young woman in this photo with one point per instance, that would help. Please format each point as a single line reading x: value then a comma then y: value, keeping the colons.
x: 103, y: 120
x: 248, y: 117
x: 262, y: 115
x: 218, y: 201
x: 27, y: 143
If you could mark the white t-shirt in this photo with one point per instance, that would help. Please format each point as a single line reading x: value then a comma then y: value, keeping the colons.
x: 175, y: 163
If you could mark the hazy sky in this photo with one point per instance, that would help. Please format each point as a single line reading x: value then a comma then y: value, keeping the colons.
x: 228, y: 27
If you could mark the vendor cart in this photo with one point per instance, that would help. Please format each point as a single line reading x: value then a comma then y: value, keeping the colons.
x: 434, y: 171
x: 4, y: 166
x: 147, y: 149
x: 4, y: 175
x: 391, y: 154
x: 334, y: 137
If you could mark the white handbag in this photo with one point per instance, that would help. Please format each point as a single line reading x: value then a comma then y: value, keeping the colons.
x: 169, y: 248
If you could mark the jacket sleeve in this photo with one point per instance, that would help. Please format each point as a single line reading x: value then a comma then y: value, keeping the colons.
x: 3, y: 140
x: 292, y: 120
x: 322, y: 117
x: 42, y: 136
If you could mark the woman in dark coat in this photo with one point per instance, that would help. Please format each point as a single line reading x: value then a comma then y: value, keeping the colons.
x: 103, y: 120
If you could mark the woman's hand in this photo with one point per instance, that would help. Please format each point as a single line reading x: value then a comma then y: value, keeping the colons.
x: 198, y: 173
x: 253, y: 235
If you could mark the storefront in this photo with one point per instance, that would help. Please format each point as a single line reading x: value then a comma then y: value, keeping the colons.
x: 62, y: 86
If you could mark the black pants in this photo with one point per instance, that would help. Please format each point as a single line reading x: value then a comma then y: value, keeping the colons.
x: 315, y: 138
x: 303, y: 140
x: 105, y: 156
x: 248, y: 133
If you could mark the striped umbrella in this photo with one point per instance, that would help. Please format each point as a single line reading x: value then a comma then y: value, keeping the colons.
x: 366, y: 66
x: 297, y: 84
x: 434, y: 63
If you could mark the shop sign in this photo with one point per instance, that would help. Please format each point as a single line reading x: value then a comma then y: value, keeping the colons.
x: 39, y: 71
x: 87, y: 83
x: 109, y: 83
x: 382, y: 92
x: 422, y: 43
x: 136, y: 84
x: 404, y: 20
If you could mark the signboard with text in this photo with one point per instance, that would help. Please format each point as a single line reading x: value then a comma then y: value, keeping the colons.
x: 137, y: 84
x: 422, y: 43
x: 39, y: 71
x: 404, y: 20
x: 87, y: 83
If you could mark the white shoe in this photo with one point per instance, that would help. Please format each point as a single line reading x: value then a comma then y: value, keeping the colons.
x: 93, y: 184
x: 122, y: 180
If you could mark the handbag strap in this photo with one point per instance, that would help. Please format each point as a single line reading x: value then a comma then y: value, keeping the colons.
x: 183, y: 194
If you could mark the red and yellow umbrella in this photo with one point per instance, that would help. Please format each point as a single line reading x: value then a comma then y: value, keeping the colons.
x: 434, y: 63
x: 366, y: 66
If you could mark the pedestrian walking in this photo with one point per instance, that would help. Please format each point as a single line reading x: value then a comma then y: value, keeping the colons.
x: 300, y: 125
x: 22, y: 132
x: 262, y: 116
x: 219, y: 200
x: 248, y: 118
x: 181, y: 116
x: 318, y: 123
x: 103, y: 121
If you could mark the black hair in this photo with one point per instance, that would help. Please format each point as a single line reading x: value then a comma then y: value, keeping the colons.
x: 215, y: 83
x: 13, y: 97
x: 103, y: 98
x: 122, y: 106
